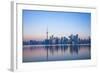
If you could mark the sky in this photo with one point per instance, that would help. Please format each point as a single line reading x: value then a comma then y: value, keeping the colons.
x: 36, y: 23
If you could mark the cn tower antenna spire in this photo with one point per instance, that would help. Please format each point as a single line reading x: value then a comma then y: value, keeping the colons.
x: 47, y: 32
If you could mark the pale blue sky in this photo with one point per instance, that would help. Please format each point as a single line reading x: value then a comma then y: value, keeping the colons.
x: 59, y: 24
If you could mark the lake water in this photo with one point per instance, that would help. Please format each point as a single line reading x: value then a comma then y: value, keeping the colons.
x: 38, y: 53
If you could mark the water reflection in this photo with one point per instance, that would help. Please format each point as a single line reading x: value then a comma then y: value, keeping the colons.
x: 55, y: 52
x: 74, y: 49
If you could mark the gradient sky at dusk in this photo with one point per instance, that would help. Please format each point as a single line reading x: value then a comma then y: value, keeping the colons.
x: 35, y: 24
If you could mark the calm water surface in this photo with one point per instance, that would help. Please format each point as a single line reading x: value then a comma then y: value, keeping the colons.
x: 36, y: 53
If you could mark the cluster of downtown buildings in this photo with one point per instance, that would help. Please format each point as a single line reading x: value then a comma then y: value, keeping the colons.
x: 52, y: 40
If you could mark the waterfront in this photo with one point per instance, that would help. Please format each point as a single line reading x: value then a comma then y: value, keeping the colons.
x: 56, y: 36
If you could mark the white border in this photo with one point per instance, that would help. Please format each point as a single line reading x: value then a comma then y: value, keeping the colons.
x: 17, y: 37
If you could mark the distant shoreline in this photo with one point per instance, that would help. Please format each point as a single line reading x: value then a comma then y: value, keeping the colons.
x: 61, y: 45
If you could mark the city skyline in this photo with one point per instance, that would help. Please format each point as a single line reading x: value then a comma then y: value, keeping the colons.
x: 37, y: 23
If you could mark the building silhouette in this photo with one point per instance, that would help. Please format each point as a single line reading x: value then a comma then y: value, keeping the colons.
x: 72, y: 39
